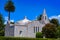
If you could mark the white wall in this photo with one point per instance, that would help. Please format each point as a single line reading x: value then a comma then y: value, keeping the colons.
x: 9, y: 30
x: 31, y: 28
x: 19, y: 28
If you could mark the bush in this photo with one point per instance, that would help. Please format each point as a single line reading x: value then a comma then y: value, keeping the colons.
x: 39, y: 35
x: 2, y: 33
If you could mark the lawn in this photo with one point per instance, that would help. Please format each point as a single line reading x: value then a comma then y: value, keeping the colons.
x: 18, y: 38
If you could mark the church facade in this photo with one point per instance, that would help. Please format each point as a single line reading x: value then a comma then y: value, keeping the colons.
x: 26, y: 28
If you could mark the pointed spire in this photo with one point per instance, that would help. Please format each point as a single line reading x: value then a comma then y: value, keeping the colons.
x: 44, y: 12
x: 25, y: 17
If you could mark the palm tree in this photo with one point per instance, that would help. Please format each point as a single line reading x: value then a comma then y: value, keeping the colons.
x: 9, y: 7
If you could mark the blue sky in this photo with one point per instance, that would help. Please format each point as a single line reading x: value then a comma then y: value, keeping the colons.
x: 32, y: 8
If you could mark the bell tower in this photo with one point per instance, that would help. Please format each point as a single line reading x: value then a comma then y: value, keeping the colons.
x: 44, y: 17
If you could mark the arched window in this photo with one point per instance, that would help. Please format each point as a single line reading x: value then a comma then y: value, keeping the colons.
x: 20, y: 32
x: 45, y: 17
x: 36, y: 29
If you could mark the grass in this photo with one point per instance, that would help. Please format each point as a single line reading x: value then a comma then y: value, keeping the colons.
x: 18, y: 38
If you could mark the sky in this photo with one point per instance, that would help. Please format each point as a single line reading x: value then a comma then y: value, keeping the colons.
x: 31, y: 9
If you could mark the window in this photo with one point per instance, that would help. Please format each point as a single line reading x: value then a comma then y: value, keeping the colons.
x: 20, y: 32
x: 36, y: 29
x: 45, y: 17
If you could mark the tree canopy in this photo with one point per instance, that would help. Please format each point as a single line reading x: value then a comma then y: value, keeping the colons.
x: 9, y: 6
x: 55, y: 22
x: 58, y: 31
x: 39, y: 17
x: 49, y: 31
x: 1, y: 25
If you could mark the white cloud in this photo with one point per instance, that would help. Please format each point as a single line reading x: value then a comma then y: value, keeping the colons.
x: 57, y: 17
x: 11, y: 20
x: 6, y: 19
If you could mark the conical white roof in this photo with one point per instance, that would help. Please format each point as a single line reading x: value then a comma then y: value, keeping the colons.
x: 24, y: 21
x: 44, y: 11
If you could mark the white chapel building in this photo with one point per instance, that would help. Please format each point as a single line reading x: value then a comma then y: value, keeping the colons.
x: 26, y: 28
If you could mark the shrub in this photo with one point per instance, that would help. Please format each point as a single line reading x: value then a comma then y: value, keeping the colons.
x: 39, y: 35
x: 2, y: 33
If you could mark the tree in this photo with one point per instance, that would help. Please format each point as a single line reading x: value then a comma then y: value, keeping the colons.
x: 1, y: 25
x: 58, y: 31
x: 9, y: 7
x: 39, y: 35
x: 55, y: 21
x: 39, y: 17
x: 49, y: 31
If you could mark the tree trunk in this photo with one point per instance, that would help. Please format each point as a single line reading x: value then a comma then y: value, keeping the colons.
x: 9, y: 17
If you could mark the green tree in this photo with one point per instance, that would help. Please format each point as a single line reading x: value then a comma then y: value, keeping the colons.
x: 49, y: 31
x: 9, y: 7
x: 39, y: 35
x: 1, y: 25
x: 55, y: 21
x: 39, y: 17
x: 58, y: 32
